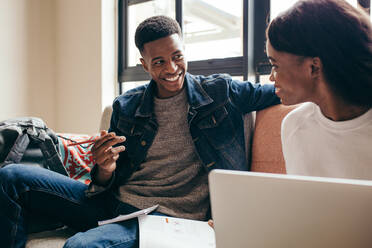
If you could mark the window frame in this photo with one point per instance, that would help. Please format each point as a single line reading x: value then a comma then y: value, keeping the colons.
x: 253, y: 62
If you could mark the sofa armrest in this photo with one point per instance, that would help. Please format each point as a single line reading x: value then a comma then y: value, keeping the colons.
x: 105, y: 118
x: 267, y: 155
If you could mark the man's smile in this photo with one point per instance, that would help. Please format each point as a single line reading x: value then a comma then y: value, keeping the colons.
x: 173, y: 78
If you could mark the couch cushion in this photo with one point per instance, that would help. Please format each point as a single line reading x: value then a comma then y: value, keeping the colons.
x: 77, y: 159
x: 267, y: 153
x: 49, y: 239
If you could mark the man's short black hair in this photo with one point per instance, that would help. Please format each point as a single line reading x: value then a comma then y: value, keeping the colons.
x: 154, y: 28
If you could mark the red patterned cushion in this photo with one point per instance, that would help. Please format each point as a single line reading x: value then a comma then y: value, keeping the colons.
x: 78, y: 159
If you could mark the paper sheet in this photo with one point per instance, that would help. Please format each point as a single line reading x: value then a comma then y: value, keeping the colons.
x: 168, y: 232
x: 128, y: 216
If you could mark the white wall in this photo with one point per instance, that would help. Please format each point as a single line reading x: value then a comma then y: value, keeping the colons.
x: 58, y: 61
x: 109, y: 51
x: 78, y: 65
x: 27, y: 59
x: 85, y: 62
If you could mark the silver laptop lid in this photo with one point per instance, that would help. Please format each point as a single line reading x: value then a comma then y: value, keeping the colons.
x: 271, y: 210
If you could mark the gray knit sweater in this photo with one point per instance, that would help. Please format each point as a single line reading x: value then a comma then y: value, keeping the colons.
x: 172, y: 174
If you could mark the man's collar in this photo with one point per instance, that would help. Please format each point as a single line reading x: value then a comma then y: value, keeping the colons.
x: 146, y: 106
x: 196, y: 95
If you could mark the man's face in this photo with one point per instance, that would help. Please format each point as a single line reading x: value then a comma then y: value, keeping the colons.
x: 292, y: 76
x: 164, y: 60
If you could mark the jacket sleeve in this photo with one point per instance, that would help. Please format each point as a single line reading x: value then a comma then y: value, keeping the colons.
x: 250, y: 97
x: 94, y: 188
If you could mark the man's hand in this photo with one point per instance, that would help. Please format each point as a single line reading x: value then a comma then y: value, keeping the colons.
x: 105, y: 155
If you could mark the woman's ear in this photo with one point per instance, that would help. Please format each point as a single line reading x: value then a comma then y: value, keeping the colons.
x: 316, y: 67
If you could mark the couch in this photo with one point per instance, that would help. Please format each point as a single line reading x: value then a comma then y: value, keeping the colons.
x: 262, y: 134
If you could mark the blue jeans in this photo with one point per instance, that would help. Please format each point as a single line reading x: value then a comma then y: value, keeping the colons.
x: 31, y: 191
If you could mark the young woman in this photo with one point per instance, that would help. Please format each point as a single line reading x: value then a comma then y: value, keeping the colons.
x: 321, y: 54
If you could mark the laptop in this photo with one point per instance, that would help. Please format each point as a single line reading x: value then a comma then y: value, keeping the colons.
x: 252, y: 209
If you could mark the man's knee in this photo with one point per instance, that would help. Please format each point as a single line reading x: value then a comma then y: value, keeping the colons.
x: 76, y: 242
x: 88, y: 240
x: 10, y: 173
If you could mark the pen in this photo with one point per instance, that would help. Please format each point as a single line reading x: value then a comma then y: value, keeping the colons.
x: 82, y: 142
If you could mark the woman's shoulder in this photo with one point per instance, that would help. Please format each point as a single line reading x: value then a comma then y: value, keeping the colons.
x: 297, y: 118
x: 301, y: 112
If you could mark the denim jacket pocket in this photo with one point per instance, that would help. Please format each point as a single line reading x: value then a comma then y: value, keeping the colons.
x: 218, y: 128
x: 129, y: 128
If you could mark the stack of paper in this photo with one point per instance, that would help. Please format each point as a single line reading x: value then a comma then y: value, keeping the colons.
x: 167, y: 232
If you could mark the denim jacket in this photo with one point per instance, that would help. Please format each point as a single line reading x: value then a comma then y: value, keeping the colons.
x: 217, y: 104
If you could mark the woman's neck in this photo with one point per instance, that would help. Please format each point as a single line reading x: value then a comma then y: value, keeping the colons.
x: 336, y: 109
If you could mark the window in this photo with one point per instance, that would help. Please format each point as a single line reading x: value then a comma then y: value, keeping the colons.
x: 213, y: 29
x: 215, y: 32
x: 220, y: 36
x: 139, y: 12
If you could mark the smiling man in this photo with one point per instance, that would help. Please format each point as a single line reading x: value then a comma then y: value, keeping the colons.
x: 163, y: 59
x: 163, y: 140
